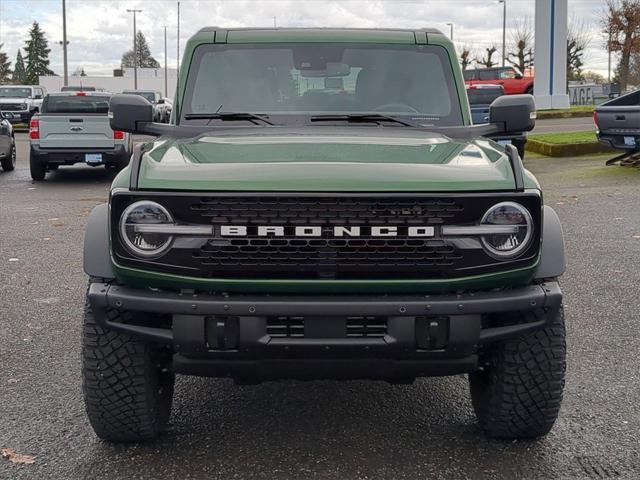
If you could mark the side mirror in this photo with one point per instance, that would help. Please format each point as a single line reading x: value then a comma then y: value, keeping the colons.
x: 161, y: 102
x: 519, y: 76
x: 513, y: 113
x: 134, y: 114
x: 126, y: 112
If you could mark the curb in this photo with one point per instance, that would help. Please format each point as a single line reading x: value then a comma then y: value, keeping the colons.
x: 548, y: 114
x: 566, y: 149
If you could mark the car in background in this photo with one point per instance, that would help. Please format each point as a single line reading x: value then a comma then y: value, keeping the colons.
x: 73, y: 127
x: 168, y: 103
x: 510, y: 78
x: 7, y: 145
x: 20, y: 102
x: 618, y: 122
x: 480, y: 98
x: 155, y: 98
x: 78, y: 88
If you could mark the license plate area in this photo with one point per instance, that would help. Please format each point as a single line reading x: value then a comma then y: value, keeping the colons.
x: 630, y: 141
x: 93, y: 158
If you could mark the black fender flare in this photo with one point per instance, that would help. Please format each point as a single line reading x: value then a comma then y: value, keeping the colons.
x: 97, y: 257
x: 552, y: 256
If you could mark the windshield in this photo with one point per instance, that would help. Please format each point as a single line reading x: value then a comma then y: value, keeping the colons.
x: 94, y: 104
x: 15, y: 92
x: 148, y: 95
x: 293, y: 81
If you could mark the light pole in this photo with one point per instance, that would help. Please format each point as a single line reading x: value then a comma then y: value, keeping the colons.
x: 450, y: 25
x: 504, y: 29
x: 135, y: 49
x: 178, y: 48
x: 166, y: 90
x: 64, y: 42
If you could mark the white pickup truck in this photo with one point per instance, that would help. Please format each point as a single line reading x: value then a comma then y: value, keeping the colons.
x: 20, y: 102
x: 73, y: 127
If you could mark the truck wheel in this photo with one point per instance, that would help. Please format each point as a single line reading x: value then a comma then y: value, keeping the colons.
x: 9, y: 163
x: 518, y: 394
x: 37, y: 167
x: 127, y: 387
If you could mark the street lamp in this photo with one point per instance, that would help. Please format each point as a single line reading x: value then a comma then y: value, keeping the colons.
x: 504, y: 29
x: 450, y: 25
x: 135, y: 49
x: 64, y: 42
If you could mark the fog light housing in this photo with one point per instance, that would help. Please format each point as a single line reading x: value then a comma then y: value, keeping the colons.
x: 140, y: 243
x: 512, y: 244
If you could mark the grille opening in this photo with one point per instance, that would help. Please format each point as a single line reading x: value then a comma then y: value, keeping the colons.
x: 355, y: 327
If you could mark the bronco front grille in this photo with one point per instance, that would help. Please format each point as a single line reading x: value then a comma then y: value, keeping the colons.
x: 327, y: 257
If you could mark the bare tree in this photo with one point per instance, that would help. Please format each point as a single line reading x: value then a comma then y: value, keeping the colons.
x: 621, y: 24
x: 522, y: 38
x: 488, y: 60
x: 466, y: 57
x: 578, y: 39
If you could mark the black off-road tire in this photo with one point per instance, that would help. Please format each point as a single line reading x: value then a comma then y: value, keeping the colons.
x: 126, y: 382
x: 38, y: 168
x: 518, y: 394
x: 9, y: 163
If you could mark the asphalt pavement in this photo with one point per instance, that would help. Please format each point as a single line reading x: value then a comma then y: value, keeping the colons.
x: 318, y: 430
x: 555, y: 125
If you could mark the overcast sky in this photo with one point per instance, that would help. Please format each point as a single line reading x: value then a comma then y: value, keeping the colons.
x: 99, y: 31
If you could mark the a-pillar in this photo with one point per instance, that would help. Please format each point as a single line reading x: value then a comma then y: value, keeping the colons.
x: 550, y: 85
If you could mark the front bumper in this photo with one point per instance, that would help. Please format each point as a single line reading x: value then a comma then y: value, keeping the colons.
x: 233, y: 335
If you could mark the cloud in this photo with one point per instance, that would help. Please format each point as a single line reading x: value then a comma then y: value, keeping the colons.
x: 100, y: 31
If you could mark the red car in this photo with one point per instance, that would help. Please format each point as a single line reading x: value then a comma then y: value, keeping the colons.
x: 510, y: 78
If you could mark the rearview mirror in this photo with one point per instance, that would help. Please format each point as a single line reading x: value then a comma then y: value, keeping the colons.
x: 513, y: 113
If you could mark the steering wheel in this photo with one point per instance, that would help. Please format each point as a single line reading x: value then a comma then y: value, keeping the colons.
x: 399, y: 107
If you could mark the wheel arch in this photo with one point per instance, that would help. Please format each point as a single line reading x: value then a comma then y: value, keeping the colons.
x: 96, y: 257
x: 552, y: 261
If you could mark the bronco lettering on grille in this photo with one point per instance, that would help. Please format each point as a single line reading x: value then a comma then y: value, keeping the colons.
x: 319, y: 231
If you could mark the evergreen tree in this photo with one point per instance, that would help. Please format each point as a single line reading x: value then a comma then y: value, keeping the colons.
x: 145, y: 60
x: 5, y: 66
x: 19, y: 72
x: 37, y: 55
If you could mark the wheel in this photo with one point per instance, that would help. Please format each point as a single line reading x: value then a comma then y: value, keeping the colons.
x: 127, y: 386
x: 529, y: 91
x: 9, y: 163
x: 38, y: 168
x: 518, y: 394
x: 53, y: 167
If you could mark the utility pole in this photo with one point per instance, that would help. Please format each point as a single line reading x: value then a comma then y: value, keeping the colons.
x: 135, y: 49
x: 64, y: 42
x: 504, y: 30
x: 178, y: 48
x: 166, y: 89
x: 609, y: 62
x: 451, y: 31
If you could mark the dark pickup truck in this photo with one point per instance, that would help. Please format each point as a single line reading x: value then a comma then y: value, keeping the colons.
x: 618, y: 122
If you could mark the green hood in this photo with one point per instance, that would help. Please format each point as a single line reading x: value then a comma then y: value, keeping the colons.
x: 351, y: 159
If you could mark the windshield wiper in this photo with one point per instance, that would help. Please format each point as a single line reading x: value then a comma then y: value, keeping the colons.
x: 363, y: 118
x: 230, y: 116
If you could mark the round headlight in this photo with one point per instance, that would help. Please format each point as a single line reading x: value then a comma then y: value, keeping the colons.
x: 512, y: 242
x: 132, y: 228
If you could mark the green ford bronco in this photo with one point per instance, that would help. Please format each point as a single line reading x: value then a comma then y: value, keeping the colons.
x: 320, y: 207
